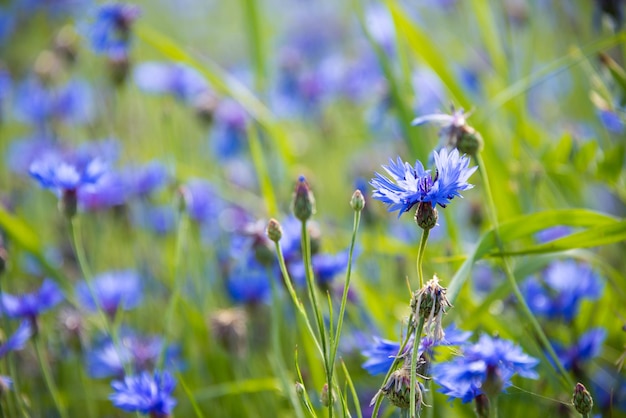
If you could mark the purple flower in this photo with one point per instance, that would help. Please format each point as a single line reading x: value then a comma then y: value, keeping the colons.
x: 491, y: 361
x: 414, y: 184
x: 145, y: 393
x: 52, y: 172
x: 381, y: 354
x: 114, y: 290
x: 177, y: 79
x: 109, y: 33
x: 586, y: 348
x: 566, y: 284
x: 140, y: 353
x: 30, y: 305
x: 18, y: 339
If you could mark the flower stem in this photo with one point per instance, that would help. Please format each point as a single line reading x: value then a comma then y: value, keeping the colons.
x: 410, y: 330
x: 567, y: 383
x: 420, y: 255
x: 45, y: 368
x: 414, y: 357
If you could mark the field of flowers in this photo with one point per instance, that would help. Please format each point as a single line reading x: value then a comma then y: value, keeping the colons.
x: 259, y: 208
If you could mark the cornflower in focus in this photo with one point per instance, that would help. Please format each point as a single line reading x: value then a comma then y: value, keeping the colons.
x: 145, y: 393
x: 410, y: 185
x: 484, y: 368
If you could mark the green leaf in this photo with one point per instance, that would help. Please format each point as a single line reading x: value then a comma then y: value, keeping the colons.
x: 604, y: 229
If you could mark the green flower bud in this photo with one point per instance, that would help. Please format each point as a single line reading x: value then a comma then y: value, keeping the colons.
x: 469, y: 141
x: 582, y: 400
x: 303, y: 205
x: 482, y: 406
x: 358, y: 201
x: 274, y: 231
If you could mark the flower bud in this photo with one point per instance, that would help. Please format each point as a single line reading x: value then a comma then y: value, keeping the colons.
x: 358, y: 201
x: 426, y: 216
x: 119, y: 68
x: 582, y: 400
x: 303, y: 205
x: 482, y: 406
x: 325, y: 396
x: 469, y: 141
x: 274, y: 231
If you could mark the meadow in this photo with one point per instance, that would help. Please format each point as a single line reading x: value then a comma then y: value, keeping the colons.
x: 259, y: 208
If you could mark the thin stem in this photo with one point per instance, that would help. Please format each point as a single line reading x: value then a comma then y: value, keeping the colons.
x: 45, y: 368
x: 294, y: 297
x: 420, y: 255
x: 567, y: 383
x: 346, y: 288
x: 414, y: 355
x: 396, y: 359
x: 181, y: 236
x: 308, y: 268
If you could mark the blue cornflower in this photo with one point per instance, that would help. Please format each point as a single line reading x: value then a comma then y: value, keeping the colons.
x: 325, y: 268
x: 177, y: 79
x: 145, y: 179
x: 114, y: 290
x: 381, y: 354
x: 18, y: 339
x: 160, y: 219
x: 612, y: 121
x: 111, y: 190
x: 201, y: 200
x: 249, y: 283
x: 228, y: 135
x: 109, y: 33
x: 52, y: 172
x: 586, y: 348
x: 139, y: 352
x: 30, y: 305
x: 414, y: 184
x: 145, y: 393
x: 567, y: 284
x: 550, y: 234
x: 486, y: 366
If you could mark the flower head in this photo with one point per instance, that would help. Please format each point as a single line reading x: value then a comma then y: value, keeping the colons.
x: 30, y: 305
x: 586, y: 348
x: 455, y: 132
x: 410, y: 185
x: 18, y: 339
x: 53, y: 172
x: 145, y: 393
x: 114, y: 290
x: 109, y: 33
x: 484, y: 368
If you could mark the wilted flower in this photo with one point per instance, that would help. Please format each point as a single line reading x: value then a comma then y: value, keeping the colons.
x: 229, y: 328
x: 398, y: 389
x: 414, y: 184
x: 113, y: 290
x: 455, y: 132
x: 145, y: 393
x: 429, y: 304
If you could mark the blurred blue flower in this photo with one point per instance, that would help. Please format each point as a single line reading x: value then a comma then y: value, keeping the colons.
x: 586, y: 348
x: 21, y: 153
x: 565, y: 285
x: 611, y: 121
x: 38, y: 104
x: 8, y: 21
x: 201, y: 200
x: 30, y: 305
x: 608, y: 387
x: 228, y: 136
x: 381, y: 354
x: 109, y: 31
x: 177, y: 79
x: 414, y: 184
x: 325, y: 268
x: 160, y: 219
x: 145, y: 179
x: 114, y: 290
x: 491, y: 361
x: 553, y: 233
x: 109, y: 191
x: 145, y: 393
x: 18, y: 339
x: 248, y: 283
x: 52, y: 172
x: 140, y: 353
x: 5, y: 79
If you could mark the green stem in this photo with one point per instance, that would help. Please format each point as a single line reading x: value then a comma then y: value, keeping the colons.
x: 414, y: 356
x: 181, y: 236
x: 346, y: 287
x: 420, y: 255
x: 567, y: 381
x: 90, y: 400
x: 410, y: 330
x: 255, y: 41
x: 45, y: 368
x: 308, y: 268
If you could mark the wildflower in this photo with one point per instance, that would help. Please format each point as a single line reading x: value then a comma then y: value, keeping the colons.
x: 109, y: 191
x: 582, y: 400
x: 429, y: 304
x: 160, y: 219
x: 248, y: 283
x: 145, y: 179
x: 145, y: 393
x: 201, y: 200
x: 414, y: 184
x: 455, y: 132
x: 176, y: 79
x: 381, y: 354
x: 303, y: 203
x: 114, y: 290
x: 586, y: 348
x: 398, y: 389
x: 18, y: 339
x: 274, y: 231
x: 357, y: 202
x: 567, y: 283
x: 109, y: 33
x: 485, y: 367
x: 229, y: 134
x: 31, y: 305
